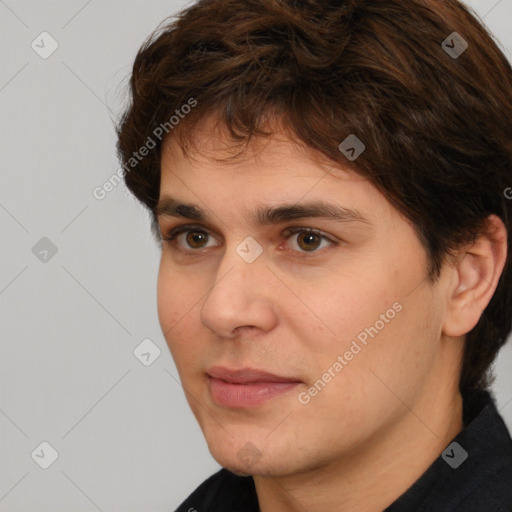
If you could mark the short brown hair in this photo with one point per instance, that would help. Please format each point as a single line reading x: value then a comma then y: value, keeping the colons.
x: 437, y: 127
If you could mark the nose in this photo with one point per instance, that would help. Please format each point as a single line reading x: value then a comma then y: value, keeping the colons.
x: 241, y: 296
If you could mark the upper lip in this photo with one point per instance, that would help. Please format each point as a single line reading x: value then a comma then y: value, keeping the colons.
x: 246, y: 375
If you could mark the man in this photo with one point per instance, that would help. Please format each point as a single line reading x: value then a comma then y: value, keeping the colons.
x: 328, y: 181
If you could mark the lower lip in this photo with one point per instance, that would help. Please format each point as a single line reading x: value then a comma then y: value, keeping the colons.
x: 239, y: 396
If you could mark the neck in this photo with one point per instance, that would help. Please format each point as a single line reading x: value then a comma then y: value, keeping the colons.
x: 375, y: 475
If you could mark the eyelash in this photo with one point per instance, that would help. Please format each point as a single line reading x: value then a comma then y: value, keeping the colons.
x: 174, y: 233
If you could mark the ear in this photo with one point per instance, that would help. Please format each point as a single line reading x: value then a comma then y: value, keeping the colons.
x: 477, y: 271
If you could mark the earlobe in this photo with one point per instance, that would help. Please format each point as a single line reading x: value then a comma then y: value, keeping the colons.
x: 478, y: 269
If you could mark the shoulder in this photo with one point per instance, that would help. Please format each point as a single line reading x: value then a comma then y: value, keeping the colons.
x: 494, y: 492
x: 484, y: 480
x: 473, y: 473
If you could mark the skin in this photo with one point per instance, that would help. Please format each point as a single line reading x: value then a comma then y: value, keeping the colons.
x: 371, y: 432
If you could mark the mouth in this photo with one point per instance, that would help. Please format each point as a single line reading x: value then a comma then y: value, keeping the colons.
x: 247, y: 387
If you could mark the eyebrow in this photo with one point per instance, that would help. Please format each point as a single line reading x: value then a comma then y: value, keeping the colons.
x: 265, y: 215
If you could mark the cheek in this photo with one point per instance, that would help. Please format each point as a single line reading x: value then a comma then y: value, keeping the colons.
x: 166, y: 303
x: 372, y: 306
x: 175, y: 314
x: 179, y: 300
x: 344, y: 305
x: 175, y: 303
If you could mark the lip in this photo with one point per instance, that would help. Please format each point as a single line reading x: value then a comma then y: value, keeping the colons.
x: 246, y: 387
x: 246, y: 375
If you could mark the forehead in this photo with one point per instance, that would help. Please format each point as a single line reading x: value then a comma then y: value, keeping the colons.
x: 210, y: 146
x: 269, y: 172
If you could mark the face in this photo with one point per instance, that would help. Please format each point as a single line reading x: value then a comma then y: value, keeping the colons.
x: 289, y: 334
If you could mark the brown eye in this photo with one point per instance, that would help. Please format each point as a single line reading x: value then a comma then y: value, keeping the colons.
x: 196, y: 239
x: 309, y: 241
x: 188, y: 238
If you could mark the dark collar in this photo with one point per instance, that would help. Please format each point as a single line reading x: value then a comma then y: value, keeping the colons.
x: 481, y: 483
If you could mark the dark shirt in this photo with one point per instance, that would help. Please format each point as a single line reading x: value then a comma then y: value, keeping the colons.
x: 480, y: 482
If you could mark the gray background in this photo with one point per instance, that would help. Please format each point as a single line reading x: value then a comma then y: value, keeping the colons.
x: 124, y: 434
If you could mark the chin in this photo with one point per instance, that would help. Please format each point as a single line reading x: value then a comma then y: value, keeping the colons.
x: 250, y: 451
x: 249, y: 461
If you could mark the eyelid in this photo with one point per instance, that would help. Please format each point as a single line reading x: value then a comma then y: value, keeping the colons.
x: 288, y: 232
x: 183, y: 228
x: 292, y: 230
